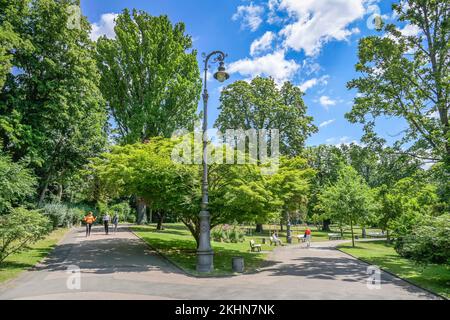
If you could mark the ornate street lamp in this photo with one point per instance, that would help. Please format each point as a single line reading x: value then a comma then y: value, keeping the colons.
x: 204, y: 252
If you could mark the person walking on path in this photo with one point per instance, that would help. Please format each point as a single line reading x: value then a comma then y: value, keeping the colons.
x: 308, y: 237
x: 106, y: 219
x: 89, y: 219
x: 115, y: 222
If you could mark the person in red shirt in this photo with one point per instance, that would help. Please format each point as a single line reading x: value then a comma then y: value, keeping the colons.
x: 308, y: 237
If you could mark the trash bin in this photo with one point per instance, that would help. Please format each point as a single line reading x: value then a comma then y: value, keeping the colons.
x: 238, y: 264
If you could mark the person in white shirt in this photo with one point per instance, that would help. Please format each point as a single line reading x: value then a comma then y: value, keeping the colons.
x: 106, y: 219
x: 276, y: 239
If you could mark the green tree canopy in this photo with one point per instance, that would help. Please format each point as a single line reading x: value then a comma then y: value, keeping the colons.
x: 408, y: 77
x: 51, y: 110
x: 260, y: 104
x: 237, y: 192
x: 406, y: 204
x: 291, y: 186
x: 10, y: 14
x: 16, y: 183
x: 150, y: 76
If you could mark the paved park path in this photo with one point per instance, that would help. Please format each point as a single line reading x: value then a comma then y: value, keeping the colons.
x: 121, y: 266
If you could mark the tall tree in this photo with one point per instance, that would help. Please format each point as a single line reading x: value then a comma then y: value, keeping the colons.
x: 149, y: 76
x: 260, y: 104
x: 325, y: 160
x: 407, y: 76
x: 51, y: 110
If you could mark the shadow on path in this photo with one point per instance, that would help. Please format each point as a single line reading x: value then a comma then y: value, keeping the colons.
x: 102, y: 255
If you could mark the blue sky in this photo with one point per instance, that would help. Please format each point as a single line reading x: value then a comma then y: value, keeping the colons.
x: 312, y: 43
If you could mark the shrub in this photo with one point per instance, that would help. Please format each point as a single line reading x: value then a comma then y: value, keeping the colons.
x: 62, y: 215
x: 228, y: 234
x: 236, y: 235
x: 21, y: 228
x: 124, y: 211
x: 218, y: 235
x: 428, y: 243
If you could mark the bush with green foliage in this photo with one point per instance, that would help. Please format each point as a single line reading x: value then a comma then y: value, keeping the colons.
x: 428, y: 242
x: 21, y: 228
x: 227, y: 233
x: 124, y: 211
x: 62, y: 215
x: 16, y: 183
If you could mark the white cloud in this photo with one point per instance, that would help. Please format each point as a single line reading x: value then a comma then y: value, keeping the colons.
x: 318, y: 22
x: 337, y: 141
x: 313, y: 82
x: 104, y: 27
x: 410, y: 30
x: 309, y: 66
x: 274, y: 65
x: 326, y: 123
x: 250, y: 15
x: 407, y: 31
x: 262, y: 44
x: 326, y: 101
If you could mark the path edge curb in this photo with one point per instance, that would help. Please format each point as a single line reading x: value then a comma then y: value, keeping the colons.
x: 34, y: 267
x: 395, y: 275
x: 159, y: 253
x: 173, y: 263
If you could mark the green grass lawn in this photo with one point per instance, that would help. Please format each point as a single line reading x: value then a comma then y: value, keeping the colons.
x: 177, y: 244
x: 19, y: 262
x: 433, y: 277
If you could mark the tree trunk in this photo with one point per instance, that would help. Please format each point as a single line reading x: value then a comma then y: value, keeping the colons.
x: 353, y: 236
x: 281, y: 225
x: 43, y: 193
x: 388, y: 236
x: 150, y: 215
x: 326, y: 225
x: 363, y: 233
x: 259, y: 228
x: 194, y: 229
x: 59, y: 193
x: 159, y: 226
x: 141, y: 210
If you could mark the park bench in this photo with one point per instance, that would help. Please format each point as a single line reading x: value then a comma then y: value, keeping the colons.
x: 334, y: 236
x: 254, y: 246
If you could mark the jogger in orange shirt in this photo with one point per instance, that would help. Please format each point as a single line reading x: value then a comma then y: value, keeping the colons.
x: 89, y: 219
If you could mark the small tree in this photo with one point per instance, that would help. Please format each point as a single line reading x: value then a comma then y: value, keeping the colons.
x: 291, y: 187
x: 349, y: 200
x: 19, y: 229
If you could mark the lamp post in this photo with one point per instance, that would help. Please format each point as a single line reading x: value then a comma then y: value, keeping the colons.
x: 204, y: 251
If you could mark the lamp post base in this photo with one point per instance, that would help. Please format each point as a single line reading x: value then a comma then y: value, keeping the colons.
x: 205, y: 261
x: 205, y: 253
